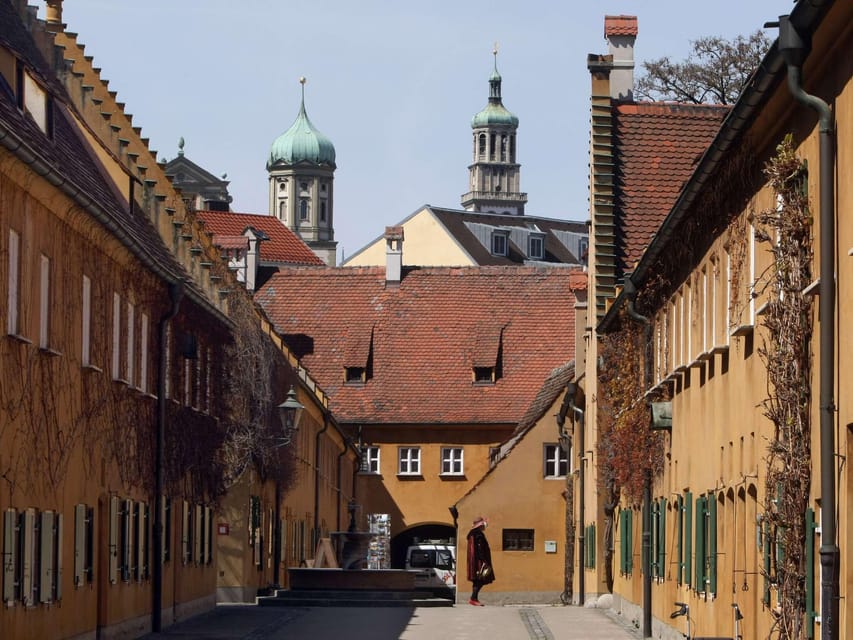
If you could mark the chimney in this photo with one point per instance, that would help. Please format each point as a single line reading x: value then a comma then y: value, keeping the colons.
x: 621, y: 33
x: 53, y: 12
x: 393, y: 255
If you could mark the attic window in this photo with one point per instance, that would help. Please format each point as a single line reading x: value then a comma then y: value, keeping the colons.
x: 499, y: 243
x: 355, y: 375
x: 358, y: 354
x: 484, y: 375
x: 34, y: 100
x: 536, y: 247
x: 487, y: 354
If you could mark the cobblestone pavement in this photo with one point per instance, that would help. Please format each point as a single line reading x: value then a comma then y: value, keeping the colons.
x: 529, y: 622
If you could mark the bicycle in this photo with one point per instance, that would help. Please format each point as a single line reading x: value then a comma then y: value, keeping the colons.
x: 684, y: 610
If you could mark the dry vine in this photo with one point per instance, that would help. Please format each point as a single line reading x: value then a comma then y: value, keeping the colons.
x: 788, y: 320
x: 629, y: 453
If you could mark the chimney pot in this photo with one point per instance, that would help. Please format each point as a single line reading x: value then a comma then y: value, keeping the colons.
x: 621, y: 33
x: 53, y: 11
x: 393, y: 255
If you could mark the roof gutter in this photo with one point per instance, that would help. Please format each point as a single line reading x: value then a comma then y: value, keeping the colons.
x: 764, y: 80
x: 42, y: 168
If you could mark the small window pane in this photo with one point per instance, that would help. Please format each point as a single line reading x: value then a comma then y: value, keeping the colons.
x: 556, y: 461
x: 517, y: 539
x: 410, y: 461
x: 451, y: 461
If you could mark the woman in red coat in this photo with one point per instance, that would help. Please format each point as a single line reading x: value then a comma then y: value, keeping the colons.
x: 480, y: 570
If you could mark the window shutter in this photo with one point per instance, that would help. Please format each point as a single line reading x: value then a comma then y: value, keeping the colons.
x: 623, y: 553
x: 90, y: 544
x: 810, y: 573
x: 141, y: 525
x: 688, y: 539
x: 700, y: 550
x: 712, y: 544
x: 767, y: 544
x: 113, y: 553
x: 28, y: 577
x: 629, y: 518
x: 79, y: 543
x: 679, y: 540
x: 126, y: 539
x: 10, y: 560
x: 661, y: 539
x: 166, y: 517
x: 57, y: 573
x: 198, y: 533
x: 185, y: 532
x: 146, y: 542
x: 592, y: 547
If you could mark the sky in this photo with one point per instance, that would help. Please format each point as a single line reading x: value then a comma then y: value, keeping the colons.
x: 392, y: 83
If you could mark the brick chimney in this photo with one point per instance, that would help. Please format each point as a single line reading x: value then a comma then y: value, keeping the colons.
x: 393, y: 255
x: 621, y: 33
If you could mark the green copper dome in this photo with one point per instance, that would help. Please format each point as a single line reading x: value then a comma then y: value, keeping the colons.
x: 302, y: 142
x: 495, y: 113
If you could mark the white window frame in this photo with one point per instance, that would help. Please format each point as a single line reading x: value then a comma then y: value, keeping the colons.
x: 371, y: 460
x: 452, y: 461
x: 131, y: 343
x: 143, y: 353
x: 44, y: 302
x: 539, y: 241
x: 13, y: 302
x: 553, y: 457
x: 86, y: 348
x: 116, y: 363
x: 502, y: 238
x: 409, y: 461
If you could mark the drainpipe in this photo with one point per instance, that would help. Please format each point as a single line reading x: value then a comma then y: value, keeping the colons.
x: 176, y: 293
x: 794, y: 49
x: 316, y: 534
x: 340, y: 477
x: 631, y: 292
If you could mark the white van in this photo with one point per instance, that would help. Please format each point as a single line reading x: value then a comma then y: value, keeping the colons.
x: 435, y: 563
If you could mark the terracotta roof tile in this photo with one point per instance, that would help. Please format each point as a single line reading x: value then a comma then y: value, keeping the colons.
x: 425, y: 336
x: 620, y: 25
x: 656, y: 147
x: 283, y: 245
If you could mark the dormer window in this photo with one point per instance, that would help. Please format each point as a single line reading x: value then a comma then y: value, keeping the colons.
x: 358, y: 354
x: 536, y: 247
x: 33, y: 99
x: 484, y: 375
x: 354, y: 375
x: 500, y: 241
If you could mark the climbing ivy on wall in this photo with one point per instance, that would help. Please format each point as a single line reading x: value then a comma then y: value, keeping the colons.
x: 787, y: 231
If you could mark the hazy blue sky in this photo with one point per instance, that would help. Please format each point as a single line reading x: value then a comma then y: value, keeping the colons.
x: 392, y: 83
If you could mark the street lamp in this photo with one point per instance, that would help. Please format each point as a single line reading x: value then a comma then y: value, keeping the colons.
x: 290, y: 412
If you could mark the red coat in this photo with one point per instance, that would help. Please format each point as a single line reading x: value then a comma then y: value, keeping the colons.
x: 479, y: 555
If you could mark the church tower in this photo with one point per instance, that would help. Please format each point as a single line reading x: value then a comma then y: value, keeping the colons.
x: 495, y: 176
x: 301, y: 170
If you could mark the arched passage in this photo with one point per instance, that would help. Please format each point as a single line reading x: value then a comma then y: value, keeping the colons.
x: 422, y: 532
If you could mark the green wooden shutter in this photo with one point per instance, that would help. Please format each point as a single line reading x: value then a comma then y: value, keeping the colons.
x: 699, y: 545
x: 592, y: 547
x: 630, y: 531
x: 767, y: 544
x: 623, y: 540
x: 712, y: 543
x: 10, y: 559
x: 662, y: 538
x: 679, y: 540
x: 810, y: 573
x: 688, y: 539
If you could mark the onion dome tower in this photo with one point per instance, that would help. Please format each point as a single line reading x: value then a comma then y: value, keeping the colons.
x: 301, y: 170
x: 495, y: 176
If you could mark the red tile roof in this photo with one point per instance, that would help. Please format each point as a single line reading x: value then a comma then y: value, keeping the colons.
x: 620, y: 25
x: 656, y: 147
x: 283, y: 245
x: 425, y: 336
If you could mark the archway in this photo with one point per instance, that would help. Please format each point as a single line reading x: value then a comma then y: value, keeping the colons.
x: 419, y: 533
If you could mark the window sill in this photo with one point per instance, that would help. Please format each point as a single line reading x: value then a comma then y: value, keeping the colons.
x: 50, y: 352
x: 20, y: 338
x: 452, y: 476
x: 369, y: 473
x: 410, y: 476
x: 742, y: 330
x: 91, y: 368
x: 553, y: 477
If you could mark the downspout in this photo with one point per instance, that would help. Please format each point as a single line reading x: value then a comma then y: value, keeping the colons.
x: 176, y: 293
x: 340, y: 478
x: 316, y: 532
x: 631, y: 293
x: 794, y: 49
